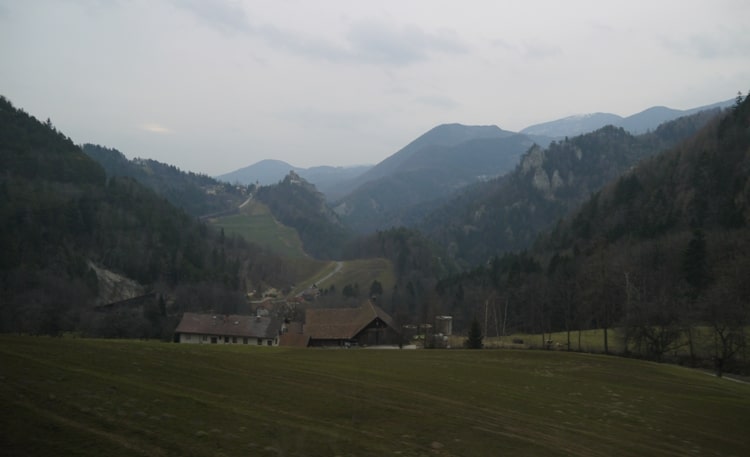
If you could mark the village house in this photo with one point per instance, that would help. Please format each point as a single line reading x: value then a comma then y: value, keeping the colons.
x: 367, y: 325
x: 228, y: 329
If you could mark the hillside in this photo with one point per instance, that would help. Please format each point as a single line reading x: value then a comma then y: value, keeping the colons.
x: 89, y: 398
x: 507, y: 213
x: 197, y: 194
x: 297, y: 204
x: 254, y: 222
x: 657, y: 259
x: 68, y: 231
x: 403, y: 187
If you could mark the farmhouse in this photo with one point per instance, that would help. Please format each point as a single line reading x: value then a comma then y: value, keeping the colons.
x: 228, y: 329
x: 367, y: 325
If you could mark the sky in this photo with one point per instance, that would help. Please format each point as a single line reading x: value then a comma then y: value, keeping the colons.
x: 211, y: 86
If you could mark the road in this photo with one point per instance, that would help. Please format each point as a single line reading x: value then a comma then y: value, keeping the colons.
x: 339, y: 266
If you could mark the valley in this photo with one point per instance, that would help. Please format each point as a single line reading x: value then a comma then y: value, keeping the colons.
x: 628, y: 234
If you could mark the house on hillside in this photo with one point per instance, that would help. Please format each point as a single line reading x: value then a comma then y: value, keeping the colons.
x: 228, y: 329
x: 367, y: 325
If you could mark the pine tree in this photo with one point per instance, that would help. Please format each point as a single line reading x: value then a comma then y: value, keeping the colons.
x: 474, y: 341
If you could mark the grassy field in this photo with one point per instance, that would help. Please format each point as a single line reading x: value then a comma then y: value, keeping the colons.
x: 123, y: 398
x: 362, y: 272
x: 255, y: 223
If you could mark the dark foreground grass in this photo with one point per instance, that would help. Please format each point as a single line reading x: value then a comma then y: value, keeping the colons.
x: 112, y: 398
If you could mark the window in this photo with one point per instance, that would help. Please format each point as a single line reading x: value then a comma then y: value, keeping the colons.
x: 226, y: 339
x: 205, y: 338
x: 213, y: 340
x: 260, y: 342
x: 269, y: 342
x: 244, y: 340
x: 234, y: 339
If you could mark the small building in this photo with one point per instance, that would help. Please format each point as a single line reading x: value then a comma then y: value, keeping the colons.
x: 228, y: 329
x: 367, y: 325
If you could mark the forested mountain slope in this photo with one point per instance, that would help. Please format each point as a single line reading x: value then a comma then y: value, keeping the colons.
x: 428, y: 176
x: 197, y: 194
x: 297, y: 204
x: 63, y: 222
x: 658, y: 260
x: 507, y: 213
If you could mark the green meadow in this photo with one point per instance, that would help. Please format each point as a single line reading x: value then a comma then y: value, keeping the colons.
x: 66, y: 396
x: 255, y: 223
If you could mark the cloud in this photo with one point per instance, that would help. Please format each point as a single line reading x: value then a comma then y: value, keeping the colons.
x: 337, y: 120
x: 223, y: 15
x: 536, y: 50
x: 155, y: 128
x: 366, y: 41
x: 437, y: 101
x: 723, y: 43
x: 379, y: 42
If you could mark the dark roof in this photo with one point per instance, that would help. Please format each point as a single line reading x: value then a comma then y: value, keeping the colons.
x: 229, y: 325
x: 342, y: 323
x: 294, y: 340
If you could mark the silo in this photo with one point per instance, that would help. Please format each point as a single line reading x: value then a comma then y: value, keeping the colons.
x: 444, y: 325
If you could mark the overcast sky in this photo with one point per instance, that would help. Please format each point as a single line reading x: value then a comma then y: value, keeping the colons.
x: 215, y: 85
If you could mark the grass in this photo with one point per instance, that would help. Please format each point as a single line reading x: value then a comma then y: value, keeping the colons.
x: 255, y: 223
x: 69, y: 396
x: 362, y: 272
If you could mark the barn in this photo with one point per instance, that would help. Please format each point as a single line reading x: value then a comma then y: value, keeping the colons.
x: 367, y: 325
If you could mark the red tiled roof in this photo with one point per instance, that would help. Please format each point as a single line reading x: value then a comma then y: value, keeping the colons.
x: 229, y: 325
x: 342, y: 323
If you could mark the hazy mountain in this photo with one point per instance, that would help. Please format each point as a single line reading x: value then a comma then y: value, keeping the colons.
x: 267, y: 172
x: 442, y: 135
x: 637, y: 123
x: 197, y: 194
x: 401, y: 188
x: 263, y: 173
x: 507, y: 213
x: 425, y: 178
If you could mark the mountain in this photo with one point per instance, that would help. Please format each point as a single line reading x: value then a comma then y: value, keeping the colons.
x: 263, y: 173
x: 197, y: 194
x: 401, y: 188
x: 297, y: 203
x: 656, y: 260
x: 507, y: 213
x: 443, y: 135
x: 267, y: 172
x: 68, y: 232
x: 573, y: 125
x: 637, y: 123
x: 703, y: 183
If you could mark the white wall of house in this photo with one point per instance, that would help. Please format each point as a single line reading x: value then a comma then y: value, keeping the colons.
x: 191, y: 338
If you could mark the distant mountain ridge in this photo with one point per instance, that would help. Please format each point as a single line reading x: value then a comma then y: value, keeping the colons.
x: 270, y: 171
x: 428, y: 175
x: 638, y: 123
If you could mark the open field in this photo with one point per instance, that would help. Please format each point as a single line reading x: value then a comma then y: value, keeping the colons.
x: 255, y: 223
x: 361, y: 271
x: 64, y: 396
